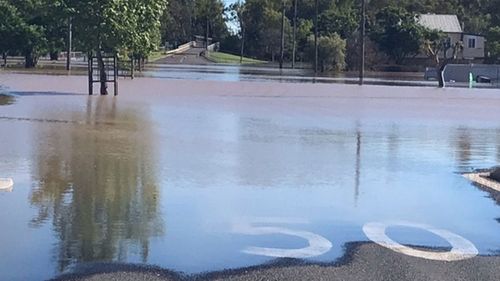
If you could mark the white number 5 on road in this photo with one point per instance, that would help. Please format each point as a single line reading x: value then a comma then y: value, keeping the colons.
x: 318, y: 245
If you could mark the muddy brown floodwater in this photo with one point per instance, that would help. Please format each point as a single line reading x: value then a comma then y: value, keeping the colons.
x: 200, y: 176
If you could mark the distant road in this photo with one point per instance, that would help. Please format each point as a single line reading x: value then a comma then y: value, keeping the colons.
x: 189, y: 57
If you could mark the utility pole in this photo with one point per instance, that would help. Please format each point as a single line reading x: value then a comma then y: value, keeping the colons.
x: 362, y: 34
x: 294, y: 48
x: 282, y: 48
x: 69, y: 44
x: 316, y: 38
x: 242, y: 42
x: 206, y: 35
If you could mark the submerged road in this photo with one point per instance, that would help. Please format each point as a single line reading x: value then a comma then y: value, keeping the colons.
x: 246, y: 181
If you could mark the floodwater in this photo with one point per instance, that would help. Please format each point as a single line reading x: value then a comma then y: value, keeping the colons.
x: 191, y: 175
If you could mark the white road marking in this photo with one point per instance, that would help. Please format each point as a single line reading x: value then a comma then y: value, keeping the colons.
x: 318, y: 245
x: 6, y: 184
x: 461, y: 247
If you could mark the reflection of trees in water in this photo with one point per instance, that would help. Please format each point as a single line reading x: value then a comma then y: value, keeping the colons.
x: 464, y: 147
x: 358, y: 165
x: 97, y: 185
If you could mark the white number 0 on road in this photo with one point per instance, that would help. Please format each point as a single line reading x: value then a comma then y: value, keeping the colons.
x: 318, y: 245
x: 461, y: 247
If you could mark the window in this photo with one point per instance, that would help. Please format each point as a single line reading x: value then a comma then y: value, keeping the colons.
x: 472, y: 43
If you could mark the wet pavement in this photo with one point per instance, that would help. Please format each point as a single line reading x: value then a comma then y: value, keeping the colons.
x: 199, y: 176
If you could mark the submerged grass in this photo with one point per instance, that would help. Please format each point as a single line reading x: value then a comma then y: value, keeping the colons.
x: 220, y: 57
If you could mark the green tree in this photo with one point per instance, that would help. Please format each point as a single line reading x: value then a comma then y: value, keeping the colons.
x: 114, y: 26
x: 210, y: 19
x: 397, y: 33
x: 435, y: 44
x: 239, y: 15
x: 331, y: 52
x: 31, y: 39
x: 178, y: 21
x: 340, y: 19
x: 11, y: 25
x: 54, y: 19
x: 493, y: 44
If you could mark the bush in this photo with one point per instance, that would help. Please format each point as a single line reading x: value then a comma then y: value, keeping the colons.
x: 331, y: 52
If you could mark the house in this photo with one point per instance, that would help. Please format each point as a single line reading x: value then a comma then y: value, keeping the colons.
x: 473, y: 44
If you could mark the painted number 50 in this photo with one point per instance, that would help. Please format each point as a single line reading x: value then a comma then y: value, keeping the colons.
x: 319, y: 245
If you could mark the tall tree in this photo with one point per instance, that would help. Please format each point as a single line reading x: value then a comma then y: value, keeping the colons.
x: 436, y: 44
x: 11, y: 24
x: 397, y: 33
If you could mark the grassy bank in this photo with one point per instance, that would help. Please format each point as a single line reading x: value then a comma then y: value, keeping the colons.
x: 220, y: 57
x: 156, y: 55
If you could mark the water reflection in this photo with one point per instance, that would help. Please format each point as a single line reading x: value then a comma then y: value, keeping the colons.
x: 97, y: 185
x: 498, y: 146
x: 464, y: 147
x: 6, y: 100
x: 358, y: 165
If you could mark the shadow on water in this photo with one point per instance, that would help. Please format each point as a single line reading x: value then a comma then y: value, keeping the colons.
x: 6, y: 99
x: 97, y: 185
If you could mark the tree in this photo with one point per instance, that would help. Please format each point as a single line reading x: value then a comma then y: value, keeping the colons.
x: 238, y: 14
x: 114, y: 26
x: 436, y: 44
x: 342, y: 20
x: 147, y: 36
x: 210, y: 20
x: 493, y: 44
x: 331, y: 52
x: 30, y: 36
x: 178, y: 21
x: 397, y: 33
x: 54, y: 19
x: 11, y: 24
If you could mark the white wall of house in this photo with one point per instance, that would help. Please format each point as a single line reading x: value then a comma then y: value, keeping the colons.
x: 473, y: 46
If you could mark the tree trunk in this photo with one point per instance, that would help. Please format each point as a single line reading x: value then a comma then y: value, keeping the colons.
x: 316, y: 4
x: 440, y: 72
x: 103, y: 77
x: 30, y: 60
x: 294, y: 47
x: 282, y: 46
x: 4, y: 57
x: 242, y: 43
x: 362, y: 43
x: 206, y: 34
x: 54, y: 55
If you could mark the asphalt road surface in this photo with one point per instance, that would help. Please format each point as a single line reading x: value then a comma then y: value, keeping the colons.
x: 362, y: 262
x: 191, y: 57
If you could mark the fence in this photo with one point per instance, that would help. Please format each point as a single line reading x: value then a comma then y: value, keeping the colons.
x: 110, y: 70
x: 484, y: 74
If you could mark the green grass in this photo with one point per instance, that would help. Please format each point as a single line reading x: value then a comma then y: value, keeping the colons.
x: 220, y: 57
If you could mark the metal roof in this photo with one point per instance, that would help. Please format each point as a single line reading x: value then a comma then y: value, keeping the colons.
x: 444, y: 23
